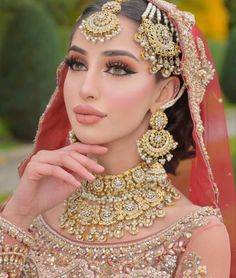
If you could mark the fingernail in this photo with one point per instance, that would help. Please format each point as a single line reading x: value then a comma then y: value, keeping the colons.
x: 78, y: 184
x: 90, y: 176
x: 100, y: 167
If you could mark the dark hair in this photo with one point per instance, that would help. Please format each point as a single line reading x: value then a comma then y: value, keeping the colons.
x: 180, y: 123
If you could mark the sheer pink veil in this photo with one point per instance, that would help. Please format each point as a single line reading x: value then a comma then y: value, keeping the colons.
x: 211, y: 181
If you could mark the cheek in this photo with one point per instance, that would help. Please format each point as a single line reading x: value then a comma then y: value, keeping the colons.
x: 66, y: 89
x: 130, y: 95
x: 70, y: 91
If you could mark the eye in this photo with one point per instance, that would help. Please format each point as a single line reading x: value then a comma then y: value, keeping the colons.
x: 75, y: 64
x: 118, y: 69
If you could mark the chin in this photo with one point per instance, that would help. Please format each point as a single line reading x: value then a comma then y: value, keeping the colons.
x: 93, y: 139
x: 100, y: 135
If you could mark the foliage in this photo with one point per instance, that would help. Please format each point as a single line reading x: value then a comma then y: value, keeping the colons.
x: 7, y: 11
x: 3, y: 129
x: 65, y: 12
x: 4, y: 19
x: 27, y: 70
x: 4, y: 197
x: 211, y: 16
x: 61, y: 10
x: 228, y: 79
x: 233, y: 152
x: 218, y: 51
x: 231, y: 5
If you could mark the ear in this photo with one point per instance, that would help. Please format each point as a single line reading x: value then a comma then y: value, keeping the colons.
x: 166, y: 90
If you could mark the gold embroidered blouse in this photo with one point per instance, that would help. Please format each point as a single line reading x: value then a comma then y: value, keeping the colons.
x: 163, y: 255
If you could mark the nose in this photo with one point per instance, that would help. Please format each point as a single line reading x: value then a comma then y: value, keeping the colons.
x: 89, y: 88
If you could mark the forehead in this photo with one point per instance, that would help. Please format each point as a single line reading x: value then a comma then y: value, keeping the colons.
x: 125, y: 39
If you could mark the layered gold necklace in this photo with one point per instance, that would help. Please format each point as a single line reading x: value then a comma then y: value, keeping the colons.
x: 113, y: 204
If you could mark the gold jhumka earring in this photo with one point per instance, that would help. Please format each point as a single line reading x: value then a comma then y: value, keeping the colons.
x: 156, y: 143
x: 113, y: 204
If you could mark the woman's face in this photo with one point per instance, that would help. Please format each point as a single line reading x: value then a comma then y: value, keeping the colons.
x: 111, y: 78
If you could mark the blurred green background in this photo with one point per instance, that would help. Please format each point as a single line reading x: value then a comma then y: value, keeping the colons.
x: 34, y: 37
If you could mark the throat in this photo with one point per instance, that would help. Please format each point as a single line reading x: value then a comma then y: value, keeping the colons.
x: 122, y: 154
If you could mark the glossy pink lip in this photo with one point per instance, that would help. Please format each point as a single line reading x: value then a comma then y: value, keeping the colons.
x: 86, y: 114
x: 87, y: 110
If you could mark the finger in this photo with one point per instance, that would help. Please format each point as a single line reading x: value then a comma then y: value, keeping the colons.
x: 87, y: 162
x: 42, y: 170
x: 85, y: 149
x: 63, y: 159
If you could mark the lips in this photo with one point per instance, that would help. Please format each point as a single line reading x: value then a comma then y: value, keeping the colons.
x: 86, y: 114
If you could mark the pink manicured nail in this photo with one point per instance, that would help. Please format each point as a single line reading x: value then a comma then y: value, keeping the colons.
x: 78, y: 184
x: 90, y: 177
x: 100, y: 167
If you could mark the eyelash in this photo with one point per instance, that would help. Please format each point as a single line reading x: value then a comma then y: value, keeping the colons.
x: 72, y: 61
x: 119, y: 65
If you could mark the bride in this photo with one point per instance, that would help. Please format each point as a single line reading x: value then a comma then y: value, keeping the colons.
x: 98, y: 196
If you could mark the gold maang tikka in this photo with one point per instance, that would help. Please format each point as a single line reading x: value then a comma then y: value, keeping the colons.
x: 159, y: 39
x: 102, y: 25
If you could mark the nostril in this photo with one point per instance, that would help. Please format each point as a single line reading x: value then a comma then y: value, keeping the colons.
x: 90, y: 97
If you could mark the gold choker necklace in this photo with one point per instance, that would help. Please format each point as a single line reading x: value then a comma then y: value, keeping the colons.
x: 113, y: 204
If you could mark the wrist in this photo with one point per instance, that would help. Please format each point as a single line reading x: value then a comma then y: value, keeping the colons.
x: 21, y: 221
x: 15, y: 233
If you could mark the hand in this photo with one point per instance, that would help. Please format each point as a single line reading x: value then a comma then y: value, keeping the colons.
x: 49, y: 178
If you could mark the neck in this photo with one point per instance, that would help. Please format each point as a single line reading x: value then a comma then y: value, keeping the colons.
x: 122, y: 154
x: 119, y: 158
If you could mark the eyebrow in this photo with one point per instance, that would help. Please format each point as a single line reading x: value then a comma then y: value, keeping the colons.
x: 108, y: 53
x: 78, y: 49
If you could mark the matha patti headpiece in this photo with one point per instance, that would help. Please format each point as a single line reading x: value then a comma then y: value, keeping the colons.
x: 102, y: 25
x: 159, y: 40
x: 156, y: 34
